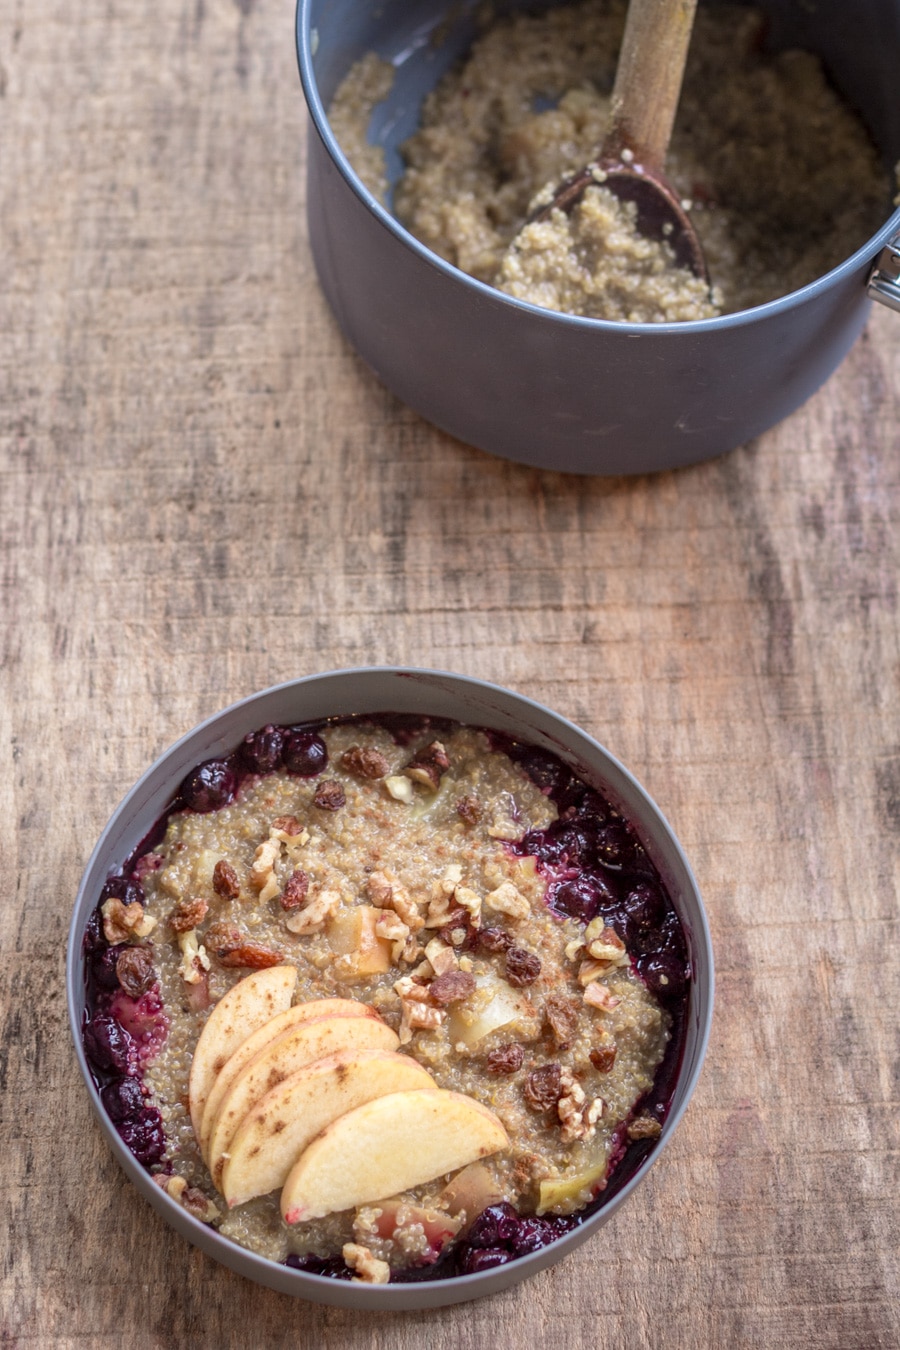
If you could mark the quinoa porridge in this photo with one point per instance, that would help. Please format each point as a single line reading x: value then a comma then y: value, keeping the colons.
x: 779, y: 175
x: 461, y: 898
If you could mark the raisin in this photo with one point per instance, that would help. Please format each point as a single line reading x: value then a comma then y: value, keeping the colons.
x: 225, y: 880
x: 187, y: 915
x: 295, y: 892
x: 330, y: 796
x: 494, y: 940
x: 562, y: 1018
x: 451, y: 987
x: 522, y: 967
x: 252, y: 955
x: 134, y: 971
x: 365, y: 762
x: 603, y: 1058
x: 543, y: 1087
x: 505, y: 1059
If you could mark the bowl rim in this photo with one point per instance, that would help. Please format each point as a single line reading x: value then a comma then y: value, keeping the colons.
x: 867, y: 253
x: 169, y: 767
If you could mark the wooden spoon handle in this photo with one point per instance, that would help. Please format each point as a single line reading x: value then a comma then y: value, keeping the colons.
x: 648, y: 79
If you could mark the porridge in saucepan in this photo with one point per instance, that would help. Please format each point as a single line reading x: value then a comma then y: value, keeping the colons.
x: 387, y: 998
x: 779, y: 174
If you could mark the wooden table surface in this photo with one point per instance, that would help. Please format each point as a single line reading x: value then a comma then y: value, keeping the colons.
x: 205, y: 492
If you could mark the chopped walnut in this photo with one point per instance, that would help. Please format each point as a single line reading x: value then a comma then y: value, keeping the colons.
x: 577, y: 1116
x: 194, y: 958
x: 562, y: 1018
x: 329, y: 795
x: 314, y: 914
x: 134, y: 971
x: 452, y: 987
x: 428, y: 766
x: 450, y: 878
x: 400, y: 788
x: 122, y: 922
x: 591, y: 970
x: 262, y: 872
x: 508, y: 899
x: 469, y: 900
x: 369, y: 1270
x: 603, y: 1057
x: 365, y: 762
x: 188, y: 914
x: 543, y: 1087
x: 417, y: 1016
x: 604, y: 944
x: 408, y: 987
x: 644, y: 1127
x: 387, y: 894
x: 443, y: 958
x: 295, y: 891
x: 389, y: 925
x: 505, y: 1059
x: 225, y: 880
x: 597, y: 995
x: 189, y: 1197
x: 468, y: 808
x: 522, y: 968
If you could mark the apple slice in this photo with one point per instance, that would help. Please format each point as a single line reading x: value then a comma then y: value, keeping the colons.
x: 249, y: 1004
x: 274, y: 1027
x: 290, y: 1051
x: 387, y: 1146
x: 281, y: 1124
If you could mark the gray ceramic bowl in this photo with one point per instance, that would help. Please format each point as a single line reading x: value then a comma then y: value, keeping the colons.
x: 547, y: 389
x: 415, y: 691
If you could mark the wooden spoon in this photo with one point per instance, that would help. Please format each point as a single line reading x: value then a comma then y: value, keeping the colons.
x: 644, y: 103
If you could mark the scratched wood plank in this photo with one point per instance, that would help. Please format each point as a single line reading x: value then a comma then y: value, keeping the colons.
x: 204, y: 492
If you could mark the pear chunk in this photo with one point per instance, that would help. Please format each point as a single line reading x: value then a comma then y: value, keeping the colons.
x: 283, y: 1122
x: 249, y: 1004
x: 290, y: 1051
x: 387, y: 1146
x: 268, y: 1031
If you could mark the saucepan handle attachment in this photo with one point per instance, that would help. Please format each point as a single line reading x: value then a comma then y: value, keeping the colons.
x: 884, y: 279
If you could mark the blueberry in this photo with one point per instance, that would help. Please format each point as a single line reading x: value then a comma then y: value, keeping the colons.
x: 475, y: 1259
x: 211, y: 786
x: 664, y: 973
x: 617, y: 844
x: 486, y: 1230
x: 582, y: 898
x: 122, y: 889
x: 144, y: 1135
x: 644, y: 906
x: 333, y: 1266
x: 261, y: 750
x: 545, y: 770
x: 305, y: 753
x: 94, y: 939
x: 122, y: 1099
x: 107, y: 1045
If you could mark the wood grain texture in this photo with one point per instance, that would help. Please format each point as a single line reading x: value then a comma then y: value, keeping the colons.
x: 205, y: 492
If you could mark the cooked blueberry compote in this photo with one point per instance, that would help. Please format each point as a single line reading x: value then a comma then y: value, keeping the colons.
x: 422, y: 949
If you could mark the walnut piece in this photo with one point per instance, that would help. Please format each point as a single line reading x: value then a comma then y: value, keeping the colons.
x: 597, y: 995
x: 428, y: 766
x: 262, y: 872
x: 418, y: 1016
x: 400, y: 788
x: 364, y: 761
x: 287, y: 825
x: 329, y: 795
x: 225, y: 880
x: 505, y: 1059
x: 134, y: 971
x: 122, y: 922
x: 188, y: 914
x: 369, y: 1270
x: 508, y: 899
x: 189, y: 1197
x: 522, y: 968
x: 314, y: 914
x: 543, y: 1087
